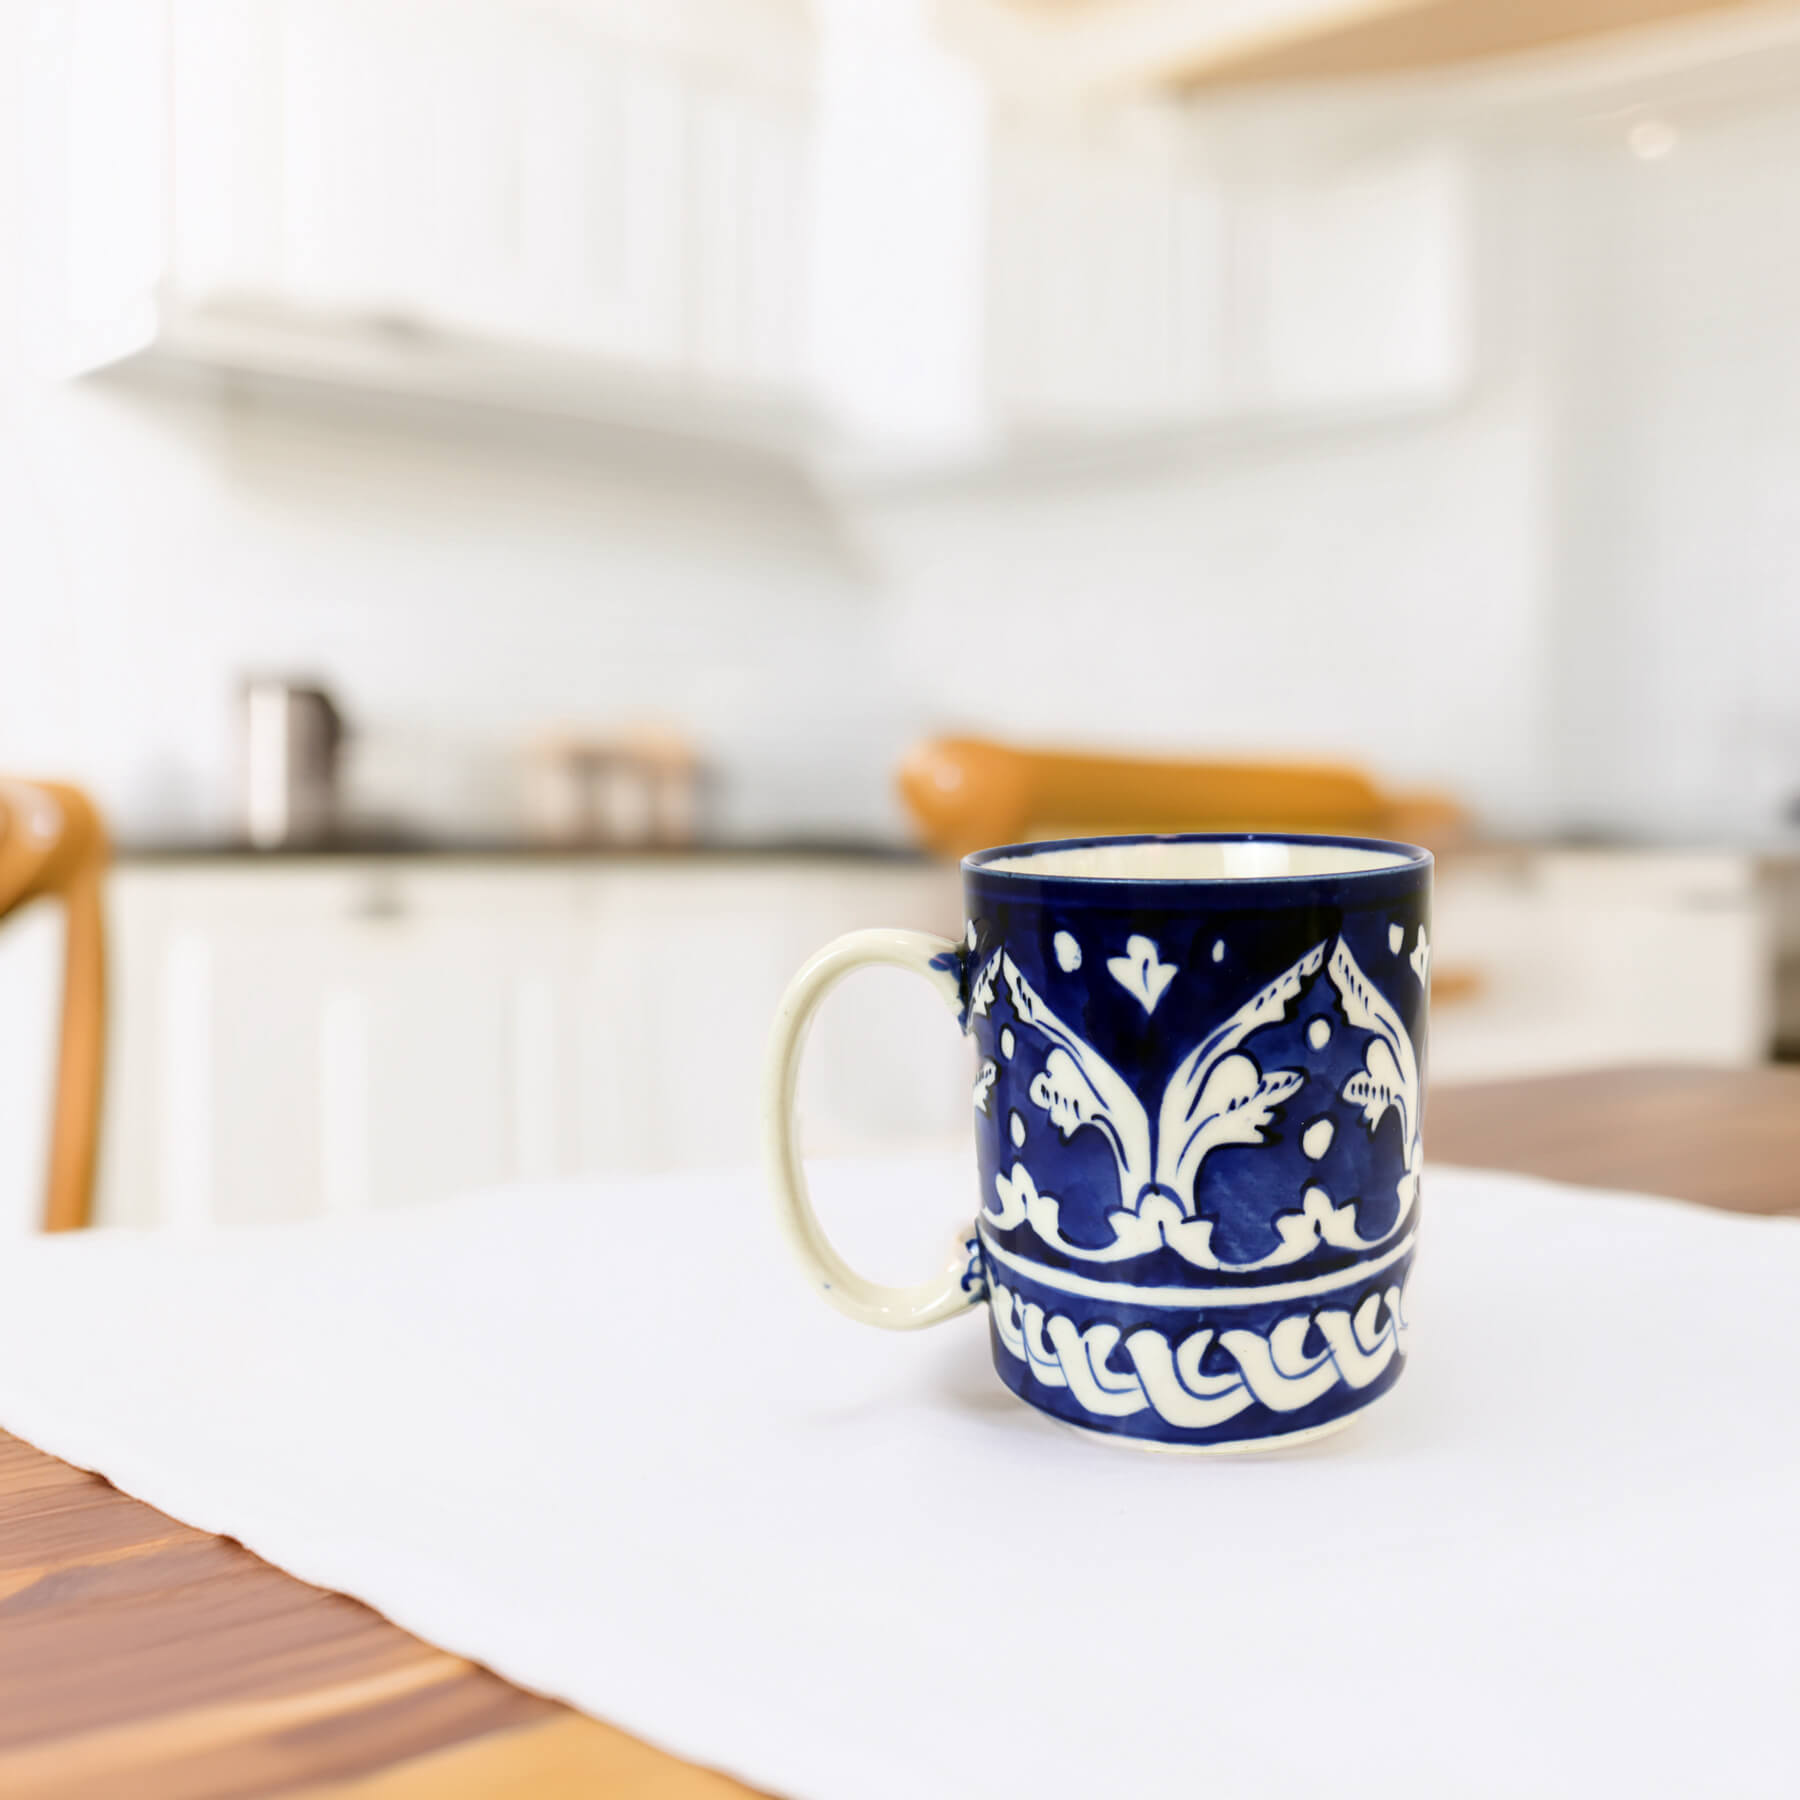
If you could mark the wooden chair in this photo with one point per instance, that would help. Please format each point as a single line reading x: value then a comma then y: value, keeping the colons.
x: 965, y: 793
x: 52, y: 843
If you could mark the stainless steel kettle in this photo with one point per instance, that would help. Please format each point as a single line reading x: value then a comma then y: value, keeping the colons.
x: 291, y: 736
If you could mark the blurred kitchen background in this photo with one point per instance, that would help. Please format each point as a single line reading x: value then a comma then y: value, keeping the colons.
x: 492, y: 493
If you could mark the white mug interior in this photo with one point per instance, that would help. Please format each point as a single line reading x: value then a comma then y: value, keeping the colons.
x: 1192, y: 859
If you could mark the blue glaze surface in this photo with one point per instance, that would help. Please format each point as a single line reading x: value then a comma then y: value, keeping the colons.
x: 1199, y: 1135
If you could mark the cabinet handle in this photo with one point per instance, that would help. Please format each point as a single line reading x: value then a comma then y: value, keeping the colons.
x: 381, y: 901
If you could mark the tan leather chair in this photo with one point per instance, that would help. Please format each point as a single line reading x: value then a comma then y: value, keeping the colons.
x: 966, y: 793
x: 52, y: 844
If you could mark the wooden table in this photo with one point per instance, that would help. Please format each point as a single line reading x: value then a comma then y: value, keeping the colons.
x: 141, y: 1658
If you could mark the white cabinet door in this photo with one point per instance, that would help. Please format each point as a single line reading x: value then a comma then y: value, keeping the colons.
x: 515, y: 175
x: 1107, y: 272
x: 1585, y: 959
x: 1360, y: 281
x: 684, y: 969
x: 291, y: 1042
x: 297, y: 1039
x: 1136, y: 281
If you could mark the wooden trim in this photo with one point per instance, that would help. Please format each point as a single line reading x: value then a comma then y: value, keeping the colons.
x: 1436, y: 34
x: 1127, y: 46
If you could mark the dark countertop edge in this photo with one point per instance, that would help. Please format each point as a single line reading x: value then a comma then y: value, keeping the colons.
x: 408, y: 849
x: 381, y: 849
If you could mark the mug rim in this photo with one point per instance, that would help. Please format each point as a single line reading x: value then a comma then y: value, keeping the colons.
x: 1414, y: 858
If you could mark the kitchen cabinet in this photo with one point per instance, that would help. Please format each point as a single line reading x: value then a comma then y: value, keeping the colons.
x: 335, y: 1034
x: 1578, y: 958
x: 1145, y: 274
x: 592, y: 215
x: 731, y: 229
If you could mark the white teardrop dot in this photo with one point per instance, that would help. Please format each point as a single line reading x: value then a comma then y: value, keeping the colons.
x: 1318, y: 1033
x: 969, y: 934
x: 1018, y: 1131
x: 1396, y: 937
x: 1068, y: 952
x: 1218, y: 950
x: 1006, y: 1041
x: 1315, y: 1140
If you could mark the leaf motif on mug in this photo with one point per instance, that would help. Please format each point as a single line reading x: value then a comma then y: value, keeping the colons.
x: 1389, y: 1077
x: 981, y: 988
x: 1216, y: 1096
x: 1421, y: 959
x: 984, y: 1083
x: 1141, y: 972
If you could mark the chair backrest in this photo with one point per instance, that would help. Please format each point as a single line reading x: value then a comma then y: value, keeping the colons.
x: 967, y: 793
x: 52, y: 844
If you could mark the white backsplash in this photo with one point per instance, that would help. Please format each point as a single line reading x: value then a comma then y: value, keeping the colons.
x: 453, y: 592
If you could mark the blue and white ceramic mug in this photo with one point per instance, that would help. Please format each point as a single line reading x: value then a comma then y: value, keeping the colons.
x: 1198, y: 1124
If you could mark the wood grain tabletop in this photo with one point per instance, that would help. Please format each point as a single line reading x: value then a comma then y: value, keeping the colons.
x: 141, y: 1658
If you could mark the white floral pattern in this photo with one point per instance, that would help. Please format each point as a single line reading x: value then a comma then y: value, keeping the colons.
x: 985, y: 1078
x: 1389, y: 1078
x: 1218, y: 1095
x: 1421, y: 959
x: 1141, y: 972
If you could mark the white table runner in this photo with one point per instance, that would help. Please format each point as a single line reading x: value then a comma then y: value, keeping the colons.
x: 601, y: 1438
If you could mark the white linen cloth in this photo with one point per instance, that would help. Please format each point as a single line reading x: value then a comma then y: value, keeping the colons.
x: 602, y: 1438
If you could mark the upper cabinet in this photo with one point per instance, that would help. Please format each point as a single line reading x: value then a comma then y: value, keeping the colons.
x: 494, y: 171
x: 813, y: 232
x: 531, y: 208
x: 1147, y: 268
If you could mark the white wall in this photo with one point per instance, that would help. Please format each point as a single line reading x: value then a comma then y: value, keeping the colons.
x: 1677, y: 536
x: 1374, y: 595
x: 460, y: 593
x: 1371, y: 593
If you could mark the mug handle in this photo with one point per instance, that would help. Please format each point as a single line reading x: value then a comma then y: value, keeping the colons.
x: 955, y: 1290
